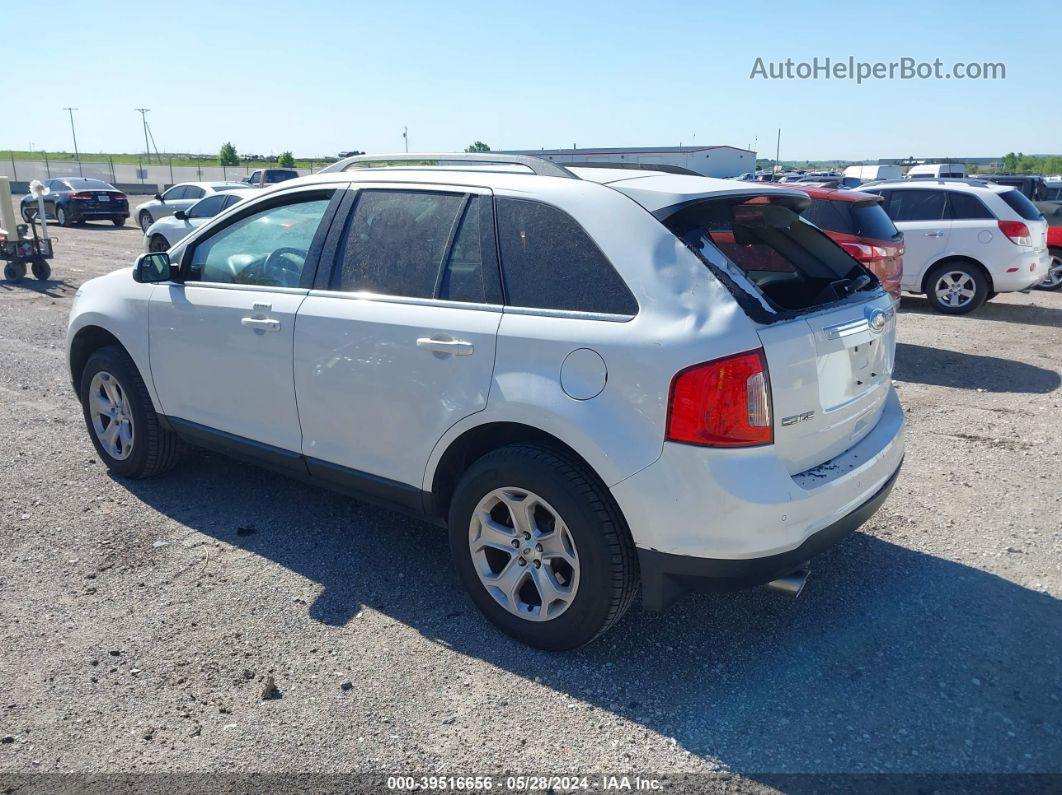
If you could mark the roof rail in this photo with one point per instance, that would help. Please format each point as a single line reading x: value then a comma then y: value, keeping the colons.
x: 636, y: 167
x: 537, y: 165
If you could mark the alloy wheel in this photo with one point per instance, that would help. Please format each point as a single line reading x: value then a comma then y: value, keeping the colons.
x: 1053, y: 279
x: 524, y: 554
x: 955, y: 289
x: 111, y: 415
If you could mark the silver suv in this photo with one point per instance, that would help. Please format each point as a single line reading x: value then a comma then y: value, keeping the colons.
x: 597, y: 379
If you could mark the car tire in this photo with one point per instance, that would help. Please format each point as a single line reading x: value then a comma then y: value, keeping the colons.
x: 61, y: 216
x: 990, y: 296
x: 1053, y: 280
x: 118, y: 220
x: 42, y: 271
x: 578, y: 550
x: 956, y: 288
x: 110, y: 380
x: 158, y: 243
x: 145, y: 221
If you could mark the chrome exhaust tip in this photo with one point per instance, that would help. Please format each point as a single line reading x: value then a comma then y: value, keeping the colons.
x: 791, y: 584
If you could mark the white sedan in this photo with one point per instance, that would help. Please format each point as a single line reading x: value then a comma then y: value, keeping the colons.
x: 164, y: 233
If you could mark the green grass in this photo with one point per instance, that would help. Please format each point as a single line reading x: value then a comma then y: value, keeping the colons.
x: 178, y: 159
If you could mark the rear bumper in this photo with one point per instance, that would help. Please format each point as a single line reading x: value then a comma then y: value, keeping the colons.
x: 740, y: 518
x: 1031, y: 270
x: 99, y: 212
x: 667, y: 577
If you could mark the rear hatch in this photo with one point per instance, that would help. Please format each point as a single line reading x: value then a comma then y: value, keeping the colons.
x: 830, y: 375
x: 101, y: 200
x: 827, y: 327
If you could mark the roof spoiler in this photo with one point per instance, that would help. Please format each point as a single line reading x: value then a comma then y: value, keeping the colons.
x: 537, y: 165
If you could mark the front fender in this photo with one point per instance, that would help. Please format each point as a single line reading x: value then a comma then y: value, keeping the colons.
x: 119, y: 306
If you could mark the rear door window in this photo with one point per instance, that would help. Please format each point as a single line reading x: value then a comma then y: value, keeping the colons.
x: 965, y: 207
x: 1021, y: 205
x: 916, y: 205
x: 869, y: 219
x: 550, y: 262
x: 395, y: 241
x: 471, y: 271
x: 175, y: 193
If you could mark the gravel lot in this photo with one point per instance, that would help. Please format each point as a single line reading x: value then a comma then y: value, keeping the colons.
x: 142, y: 621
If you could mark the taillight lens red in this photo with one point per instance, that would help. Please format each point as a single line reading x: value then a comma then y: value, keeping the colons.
x: 82, y: 195
x: 1018, y: 232
x: 722, y: 403
x: 121, y: 197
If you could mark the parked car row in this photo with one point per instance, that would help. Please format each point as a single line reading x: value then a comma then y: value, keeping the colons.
x: 963, y: 240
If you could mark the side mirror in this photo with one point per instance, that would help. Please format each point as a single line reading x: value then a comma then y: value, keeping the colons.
x: 152, y: 268
x: 181, y: 215
x: 158, y: 197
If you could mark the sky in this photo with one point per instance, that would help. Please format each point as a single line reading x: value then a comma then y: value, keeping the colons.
x: 321, y: 76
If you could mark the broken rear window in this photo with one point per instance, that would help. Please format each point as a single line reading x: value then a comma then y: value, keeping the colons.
x: 762, y: 243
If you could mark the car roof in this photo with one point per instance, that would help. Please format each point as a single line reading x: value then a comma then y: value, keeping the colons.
x: 837, y: 194
x: 971, y: 186
x: 654, y: 190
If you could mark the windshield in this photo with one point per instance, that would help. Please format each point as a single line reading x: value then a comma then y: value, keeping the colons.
x: 762, y: 242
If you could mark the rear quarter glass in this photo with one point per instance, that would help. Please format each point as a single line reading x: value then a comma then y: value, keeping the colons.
x: 1018, y: 202
x: 870, y: 220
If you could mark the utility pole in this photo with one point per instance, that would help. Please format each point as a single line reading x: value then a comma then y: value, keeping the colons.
x: 777, y: 149
x: 405, y: 137
x: 143, y: 118
x: 74, y: 135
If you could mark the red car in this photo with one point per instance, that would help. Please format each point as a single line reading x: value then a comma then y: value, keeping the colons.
x: 857, y: 222
x: 1053, y: 214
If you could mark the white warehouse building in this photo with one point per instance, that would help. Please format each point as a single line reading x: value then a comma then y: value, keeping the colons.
x: 710, y: 161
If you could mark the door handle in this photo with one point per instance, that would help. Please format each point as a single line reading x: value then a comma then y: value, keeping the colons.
x: 260, y: 323
x: 934, y: 234
x: 453, y: 347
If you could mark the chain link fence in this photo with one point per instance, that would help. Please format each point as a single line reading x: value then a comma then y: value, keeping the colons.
x: 140, y: 177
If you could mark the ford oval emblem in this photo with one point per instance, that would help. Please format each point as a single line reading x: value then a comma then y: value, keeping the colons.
x: 877, y: 319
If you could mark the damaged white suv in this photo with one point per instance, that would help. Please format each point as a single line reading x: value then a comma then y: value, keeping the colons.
x: 597, y: 379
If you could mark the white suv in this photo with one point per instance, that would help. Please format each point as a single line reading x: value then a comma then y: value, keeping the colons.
x: 593, y: 377
x: 965, y: 240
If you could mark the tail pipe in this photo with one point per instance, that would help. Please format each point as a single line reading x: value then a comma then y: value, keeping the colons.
x: 792, y: 583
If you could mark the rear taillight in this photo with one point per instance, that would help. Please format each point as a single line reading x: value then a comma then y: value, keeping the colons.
x: 119, y: 197
x: 83, y: 196
x: 1018, y: 232
x: 723, y: 403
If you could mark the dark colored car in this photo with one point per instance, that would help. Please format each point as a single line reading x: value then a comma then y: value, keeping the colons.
x: 1034, y: 188
x: 857, y: 223
x: 269, y: 176
x: 74, y: 200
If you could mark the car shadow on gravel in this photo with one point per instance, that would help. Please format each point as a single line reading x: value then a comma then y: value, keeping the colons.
x: 891, y: 659
x: 921, y: 364
x: 1025, y: 314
